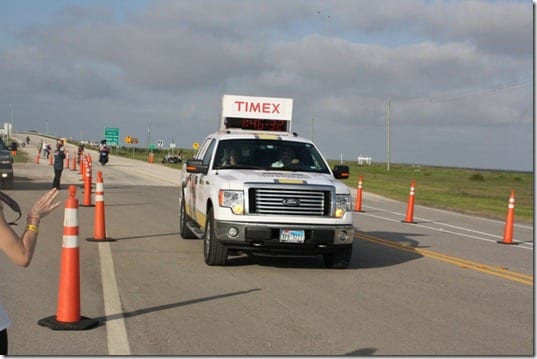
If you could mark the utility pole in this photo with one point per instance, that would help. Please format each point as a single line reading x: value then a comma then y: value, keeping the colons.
x: 388, y: 118
x: 149, y: 135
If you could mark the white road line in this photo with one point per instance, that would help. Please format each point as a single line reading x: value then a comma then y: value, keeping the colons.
x: 522, y: 245
x: 454, y: 226
x: 470, y: 216
x: 384, y: 199
x: 118, y: 342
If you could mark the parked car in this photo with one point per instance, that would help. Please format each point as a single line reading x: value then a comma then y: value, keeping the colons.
x: 6, y: 162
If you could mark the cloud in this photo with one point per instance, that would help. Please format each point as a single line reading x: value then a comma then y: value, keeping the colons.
x: 497, y: 27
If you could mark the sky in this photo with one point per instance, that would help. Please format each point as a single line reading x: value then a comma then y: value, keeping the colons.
x: 454, y: 78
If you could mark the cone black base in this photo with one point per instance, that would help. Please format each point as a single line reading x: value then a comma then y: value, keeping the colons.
x: 83, y: 324
x: 513, y: 243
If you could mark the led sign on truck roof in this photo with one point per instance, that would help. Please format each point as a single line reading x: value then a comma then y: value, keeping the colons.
x: 256, y: 113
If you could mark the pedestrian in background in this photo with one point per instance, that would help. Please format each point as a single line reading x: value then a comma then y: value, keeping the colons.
x: 59, y: 157
x: 46, y: 150
x: 80, y: 153
x: 21, y: 249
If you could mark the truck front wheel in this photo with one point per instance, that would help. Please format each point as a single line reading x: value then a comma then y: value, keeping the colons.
x: 215, y: 253
x: 339, y: 259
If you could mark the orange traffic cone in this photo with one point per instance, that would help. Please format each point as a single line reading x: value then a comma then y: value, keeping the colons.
x: 50, y: 158
x: 87, y: 187
x: 410, y: 206
x: 509, y: 221
x: 99, y: 226
x: 358, y: 204
x: 73, y: 163
x: 68, y: 312
x: 36, y: 161
x: 82, y: 166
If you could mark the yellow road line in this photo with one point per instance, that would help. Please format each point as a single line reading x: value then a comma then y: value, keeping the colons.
x: 462, y: 263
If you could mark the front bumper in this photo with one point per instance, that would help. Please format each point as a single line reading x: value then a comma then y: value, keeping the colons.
x: 265, y: 237
x: 6, y: 172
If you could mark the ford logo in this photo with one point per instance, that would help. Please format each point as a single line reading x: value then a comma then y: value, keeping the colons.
x: 291, y: 202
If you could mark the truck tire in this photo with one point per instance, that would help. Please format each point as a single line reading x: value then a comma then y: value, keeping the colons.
x: 214, y: 252
x: 339, y: 259
x: 184, y: 231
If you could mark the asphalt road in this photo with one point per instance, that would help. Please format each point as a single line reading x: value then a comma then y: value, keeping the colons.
x: 441, y: 286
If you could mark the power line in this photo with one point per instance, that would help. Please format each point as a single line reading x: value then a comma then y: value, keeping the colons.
x: 454, y: 96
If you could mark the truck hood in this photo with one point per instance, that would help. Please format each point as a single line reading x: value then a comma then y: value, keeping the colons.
x: 236, y: 178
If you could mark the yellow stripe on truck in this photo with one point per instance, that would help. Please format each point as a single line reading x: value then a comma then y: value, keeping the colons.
x: 289, y: 181
x: 264, y: 136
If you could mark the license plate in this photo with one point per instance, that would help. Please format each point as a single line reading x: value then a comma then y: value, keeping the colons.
x: 292, y: 236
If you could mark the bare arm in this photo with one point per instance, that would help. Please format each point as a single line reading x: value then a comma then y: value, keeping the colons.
x: 20, y: 250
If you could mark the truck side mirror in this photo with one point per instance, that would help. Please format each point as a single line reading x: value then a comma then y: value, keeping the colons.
x: 341, y: 171
x: 196, y: 166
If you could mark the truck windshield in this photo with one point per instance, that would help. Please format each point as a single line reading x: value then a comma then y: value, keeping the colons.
x: 268, y: 155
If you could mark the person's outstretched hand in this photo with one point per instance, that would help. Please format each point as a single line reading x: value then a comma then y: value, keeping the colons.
x: 45, y: 204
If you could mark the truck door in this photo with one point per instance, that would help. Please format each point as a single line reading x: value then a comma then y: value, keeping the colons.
x: 203, y: 183
x: 191, y: 182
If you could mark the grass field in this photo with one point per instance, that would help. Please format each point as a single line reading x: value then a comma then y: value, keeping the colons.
x: 478, y: 192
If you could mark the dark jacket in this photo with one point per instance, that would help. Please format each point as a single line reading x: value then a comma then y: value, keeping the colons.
x: 59, y: 157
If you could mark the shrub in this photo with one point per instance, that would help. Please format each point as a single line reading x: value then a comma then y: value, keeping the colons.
x: 477, y: 177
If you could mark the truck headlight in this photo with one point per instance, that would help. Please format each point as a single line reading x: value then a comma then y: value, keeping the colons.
x: 232, y: 199
x: 343, y: 204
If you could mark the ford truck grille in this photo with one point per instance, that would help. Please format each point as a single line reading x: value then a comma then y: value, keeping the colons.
x: 290, y: 201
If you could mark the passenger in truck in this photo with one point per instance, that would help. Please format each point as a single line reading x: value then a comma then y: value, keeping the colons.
x: 232, y: 157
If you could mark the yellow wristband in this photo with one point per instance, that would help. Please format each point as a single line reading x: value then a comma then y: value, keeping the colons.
x: 31, y: 227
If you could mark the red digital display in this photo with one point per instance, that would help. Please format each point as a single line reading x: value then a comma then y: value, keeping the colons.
x: 255, y: 124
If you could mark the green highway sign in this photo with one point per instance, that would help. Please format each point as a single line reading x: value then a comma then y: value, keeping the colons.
x: 111, y: 135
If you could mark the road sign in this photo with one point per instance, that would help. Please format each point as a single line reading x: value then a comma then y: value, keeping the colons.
x: 111, y: 135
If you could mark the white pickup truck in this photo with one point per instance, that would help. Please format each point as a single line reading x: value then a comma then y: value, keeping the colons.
x: 254, y: 186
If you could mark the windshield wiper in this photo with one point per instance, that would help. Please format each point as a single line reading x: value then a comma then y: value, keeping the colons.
x: 239, y: 167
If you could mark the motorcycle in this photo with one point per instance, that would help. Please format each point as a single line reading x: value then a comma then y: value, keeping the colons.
x: 103, y: 156
x: 172, y: 159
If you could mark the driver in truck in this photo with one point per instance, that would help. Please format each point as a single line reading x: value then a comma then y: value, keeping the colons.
x: 287, y: 157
